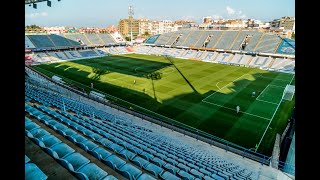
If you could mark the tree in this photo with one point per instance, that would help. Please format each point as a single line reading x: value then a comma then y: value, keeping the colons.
x: 127, y: 38
x: 293, y: 35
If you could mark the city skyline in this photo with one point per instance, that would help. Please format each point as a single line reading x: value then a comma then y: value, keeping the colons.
x: 102, y: 13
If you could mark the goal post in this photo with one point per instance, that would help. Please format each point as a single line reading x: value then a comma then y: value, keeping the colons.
x: 288, y: 92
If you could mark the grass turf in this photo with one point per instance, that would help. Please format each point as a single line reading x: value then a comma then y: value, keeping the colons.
x: 199, y: 94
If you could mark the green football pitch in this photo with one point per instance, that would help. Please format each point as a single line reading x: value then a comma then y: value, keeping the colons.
x: 199, y: 94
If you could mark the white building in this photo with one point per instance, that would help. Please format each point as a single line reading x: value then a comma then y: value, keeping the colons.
x: 55, y: 29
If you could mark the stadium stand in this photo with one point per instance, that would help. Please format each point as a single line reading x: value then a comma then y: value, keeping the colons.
x: 72, y: 54
x: 178, y: 160
x: 41, y: 41
x: 287, y: 46
x: 143, y: 49
x: 152, y: 39
x: 156, y: 50
x: 226, y: 40
x: 57, y: 56
x: 174, y: 52
x: 268, y: 43
x: 223, y: 57
x: 60, y: 41
x: 100, y: 52
x: 121, y: 49
x: 88, y: 53
x: 43, y: 57
x: 183, y: 35
x: 172, y: 38
x: 110, y: 50
x: 253, y: 41
x: 163, y: 38
x: 189, y: 54
x: 199, y: 55
x: 209, y: 56
x: 240, y: 59
x: 239, y: 40
x: 72, y: 39
x: 262, y: 62
x: 94, y: 39
x: 283, y: 64
x: 107, y: 39
x: 214, y: 38
x: 32, y: 171
x: 28, y: 43
x: 192, y: 38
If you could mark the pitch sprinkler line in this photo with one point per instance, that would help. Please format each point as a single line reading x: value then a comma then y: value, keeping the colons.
x: 235, y: 110
x: 223, y: 87
x: 271, y: 120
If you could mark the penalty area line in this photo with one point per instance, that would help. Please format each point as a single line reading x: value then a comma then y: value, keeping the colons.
x: 235, y: 110
x: 223, y: 87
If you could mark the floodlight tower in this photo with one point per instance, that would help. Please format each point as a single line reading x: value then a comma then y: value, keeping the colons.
x: 130, y: 13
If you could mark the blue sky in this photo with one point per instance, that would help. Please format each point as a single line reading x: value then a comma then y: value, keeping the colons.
x: 102, y: 13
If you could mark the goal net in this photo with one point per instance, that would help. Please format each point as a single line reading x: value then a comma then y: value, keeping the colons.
x: 288, y: 92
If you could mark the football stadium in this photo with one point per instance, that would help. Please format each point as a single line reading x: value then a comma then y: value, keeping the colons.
x: 187, y: 104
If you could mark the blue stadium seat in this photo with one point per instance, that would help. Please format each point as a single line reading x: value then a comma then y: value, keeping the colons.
x: 105, y: 142
x: 172, y: 169
x: 48, y: 141
x: 205, y: 172
x: 145, y: 176
x: 140, y: 162
x: 157, y: 161
x: 196, y: 173
x: 37, y: 133
x: 115, y: 147
x: 208, y: 178
x: 113, y: 161
x: 184, y: 175
x: 87, y: 145
x: 91, y: 171
x: 26, y: 159
x: 77, y: 138
x: 171, y: 161
x: 33, y: 172
x: 29, y: 125
x: 74, y: 161
x: 146, y: 155
x: 60, y: 150
x: 100, y: 153
x: 217, y: 177
x: 127, y: 154
x: 154, y: 169
x: 129, y: 171
x: 168, y: 176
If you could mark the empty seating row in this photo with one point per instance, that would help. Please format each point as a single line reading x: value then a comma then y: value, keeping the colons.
x: 32, y: 171
x: 172, y: 161
x: 76, y: 163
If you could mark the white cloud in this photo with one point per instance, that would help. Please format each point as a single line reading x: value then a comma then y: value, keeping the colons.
x: 243, y: 16
x: 240, y: 12
x: 189, y: 18
x: 34, y: 15
x: 230, y: 11
x: 217, y: 16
